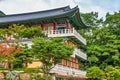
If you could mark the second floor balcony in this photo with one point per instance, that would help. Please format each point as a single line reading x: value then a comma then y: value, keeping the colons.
x: 79, y: 53
x: 64, y: 33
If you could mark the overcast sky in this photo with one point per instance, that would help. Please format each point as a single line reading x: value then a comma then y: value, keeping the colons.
x: 23, y: 6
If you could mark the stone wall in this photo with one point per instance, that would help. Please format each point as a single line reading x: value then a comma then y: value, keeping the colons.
x: 15, y: 75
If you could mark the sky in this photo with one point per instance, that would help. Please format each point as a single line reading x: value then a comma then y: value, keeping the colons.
x: 85, y: 6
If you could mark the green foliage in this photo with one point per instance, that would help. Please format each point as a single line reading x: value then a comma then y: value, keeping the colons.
x: 2, y: 33
x: 103, y: 46
x: 20, y: 31
x: 15, y: 31
x: 50, y: 52
x: 103, y: 43
x: 31, y: 32
x: 114, y: 18
x: 51, y: 48
x: 92, y: 59
x: 21, y: 53
x: 1, y: 13
x: 24, y: 57
x: 91, y: 19
x: 27, y: 70
x: 112, y: 73
x: 95, y: 73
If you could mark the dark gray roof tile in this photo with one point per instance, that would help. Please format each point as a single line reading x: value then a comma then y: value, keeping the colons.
x: 34, y: 15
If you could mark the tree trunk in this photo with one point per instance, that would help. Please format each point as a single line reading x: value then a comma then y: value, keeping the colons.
x: 25, y: 63
x: 46, y: 76
x: 10, y: 63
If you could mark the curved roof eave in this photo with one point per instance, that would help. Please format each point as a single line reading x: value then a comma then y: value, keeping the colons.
x: 32, y: 15
x: 47, y: 14
x: 80, y: 20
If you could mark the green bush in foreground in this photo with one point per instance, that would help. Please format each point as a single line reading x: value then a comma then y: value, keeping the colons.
x: 95, y: 73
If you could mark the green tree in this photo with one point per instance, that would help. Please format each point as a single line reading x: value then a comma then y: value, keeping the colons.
x: 95, y: 73
x: 91, y: 19
x: 1, y: 13
x: 112, y: 73
x: 112, y: 20
x: 7, y: 53
x: 14, y: 31
x: 2, y: 34
x: 50, y: 52
x: 17, y: 52
x: 103, y: 43
x: 19, y: 32
x: 23, y: 58
x: 32, y: 32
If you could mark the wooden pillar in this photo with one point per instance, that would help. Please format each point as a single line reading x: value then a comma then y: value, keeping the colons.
x: 42, y: 27
x: 54, y: 26
x: 67, y: 23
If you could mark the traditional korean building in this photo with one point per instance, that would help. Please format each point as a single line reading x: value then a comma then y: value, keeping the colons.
x: 60, y: 22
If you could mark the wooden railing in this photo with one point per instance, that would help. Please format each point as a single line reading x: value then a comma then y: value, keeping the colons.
x: 79, y: 53
x: 64, y: 70
x: 65, y: 32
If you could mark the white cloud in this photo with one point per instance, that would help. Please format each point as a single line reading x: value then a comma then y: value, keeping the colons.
x: 22, y: 6
x: 19, y: 6
x: 101, y: 11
